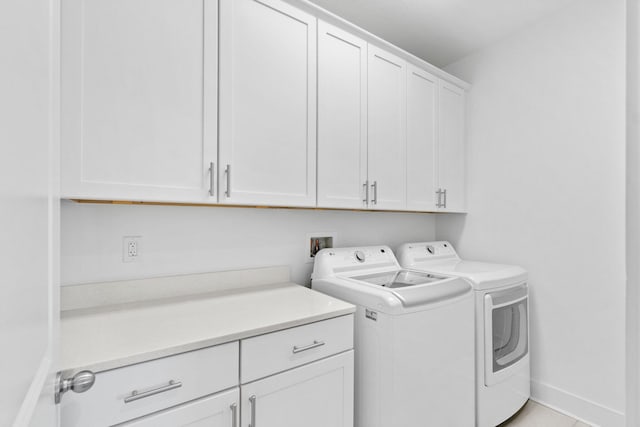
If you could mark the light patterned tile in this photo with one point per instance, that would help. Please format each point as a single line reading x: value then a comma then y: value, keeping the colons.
x: 536, y: 415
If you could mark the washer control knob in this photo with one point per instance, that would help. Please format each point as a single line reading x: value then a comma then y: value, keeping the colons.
x: 359, y: 256
x: 431, y: 249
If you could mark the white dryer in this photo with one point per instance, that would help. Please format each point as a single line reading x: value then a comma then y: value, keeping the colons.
x: 502, y: 326
x: 414, y: 351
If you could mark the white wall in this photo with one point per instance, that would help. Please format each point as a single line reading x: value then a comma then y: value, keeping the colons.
x: 546, y: 185
x: 199, y: 239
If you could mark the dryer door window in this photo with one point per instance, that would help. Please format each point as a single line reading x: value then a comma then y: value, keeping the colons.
x: 506, y: 332
x: 509, y: 331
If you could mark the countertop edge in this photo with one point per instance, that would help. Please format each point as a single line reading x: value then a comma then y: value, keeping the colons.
x: 198, y: 345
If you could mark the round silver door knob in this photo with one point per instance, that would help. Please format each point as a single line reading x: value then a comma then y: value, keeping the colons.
x: 82, y: 381
x: 79, y: 383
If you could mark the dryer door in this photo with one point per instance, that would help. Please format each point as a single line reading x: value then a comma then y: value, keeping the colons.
x: 506, y: 332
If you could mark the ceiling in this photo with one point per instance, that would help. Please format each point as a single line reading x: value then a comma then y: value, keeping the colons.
x: 441, y: 31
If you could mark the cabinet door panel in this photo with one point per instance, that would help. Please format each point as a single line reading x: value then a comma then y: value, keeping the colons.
x: 387, y: 129
x: 422, y: 109
x: 212, y: 411
x: 451, y: 146
x: 135, y: 122
x: 342, y: 118
x: 267, y: 103
x: 316, y: 395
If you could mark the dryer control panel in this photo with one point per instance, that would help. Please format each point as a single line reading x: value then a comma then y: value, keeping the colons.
x: 412, y: 253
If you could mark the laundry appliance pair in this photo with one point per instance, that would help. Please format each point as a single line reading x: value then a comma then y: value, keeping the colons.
x: 439, y: 341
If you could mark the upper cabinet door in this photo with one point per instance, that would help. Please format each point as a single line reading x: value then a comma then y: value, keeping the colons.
x: 267, y: 103
x: 387, y: 130
x: 451, y: 147
x: 342, y: 119
x: 422, y: 107
x: 139, y: 105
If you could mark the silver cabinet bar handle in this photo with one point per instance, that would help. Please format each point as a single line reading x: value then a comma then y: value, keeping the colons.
x: 374, y: 201
x: 445, y: 199
x: 227, y: 172
x: 234, y: 414
x: 439, y: 193
x: 211, y: 179
x: 366, y: 192
x: 315, y: 344
x: 135, y: 395
x: 252, y: 402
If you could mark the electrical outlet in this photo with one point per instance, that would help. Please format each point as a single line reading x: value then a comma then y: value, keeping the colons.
x: 131, y: 248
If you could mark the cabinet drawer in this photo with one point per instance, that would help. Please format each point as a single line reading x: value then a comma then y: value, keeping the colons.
x: 112, y: 399
x: 278, y: 351
x: 219, y: 410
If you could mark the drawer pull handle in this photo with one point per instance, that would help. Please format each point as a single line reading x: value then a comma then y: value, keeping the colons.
x: 315, y: 344
x: 135, y: 395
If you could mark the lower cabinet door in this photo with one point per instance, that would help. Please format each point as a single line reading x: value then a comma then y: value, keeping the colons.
x: 218, y: 410
x: 319, y: 394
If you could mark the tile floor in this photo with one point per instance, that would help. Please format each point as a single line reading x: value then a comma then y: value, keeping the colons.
x: 536, y: 415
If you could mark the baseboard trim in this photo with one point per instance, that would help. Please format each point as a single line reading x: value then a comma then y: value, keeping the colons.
x: 575, y: 406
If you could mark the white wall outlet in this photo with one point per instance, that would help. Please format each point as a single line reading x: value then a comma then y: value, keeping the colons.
x: 131, y: 248
x: 318, y: 241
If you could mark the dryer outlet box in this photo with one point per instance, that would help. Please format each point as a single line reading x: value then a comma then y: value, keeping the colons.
x: 318, y: 241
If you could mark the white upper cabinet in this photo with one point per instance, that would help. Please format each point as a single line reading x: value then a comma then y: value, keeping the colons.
x: 386, y: 129
x: 451, y: 148
x: 422, y: 109
x: 139, y: 99
x: 267, y: 103
x: 342, y: 119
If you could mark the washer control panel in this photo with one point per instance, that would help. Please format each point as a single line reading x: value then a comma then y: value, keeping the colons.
x: 341, y: 260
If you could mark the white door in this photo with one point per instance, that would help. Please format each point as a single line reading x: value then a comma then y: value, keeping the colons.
x: 422, y: 107
x: 139, y: 99
x: 342, y: 119
x: 29, y: 210
x: 451, y: 147
x: 316, y: 395
x: 219, y: 410
x: 267, y: 103
x: 387, y: 129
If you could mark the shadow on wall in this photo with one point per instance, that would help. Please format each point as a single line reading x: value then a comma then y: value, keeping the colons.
x: 451, y: 227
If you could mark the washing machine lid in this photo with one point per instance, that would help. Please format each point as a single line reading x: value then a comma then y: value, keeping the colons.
x: 399, y: 278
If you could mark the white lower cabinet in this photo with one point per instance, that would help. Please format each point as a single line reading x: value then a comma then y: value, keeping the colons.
x: 319, y: 394
x: 219, y: 410
x: 304, y: 378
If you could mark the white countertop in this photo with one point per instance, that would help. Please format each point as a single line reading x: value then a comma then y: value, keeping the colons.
x: 108, y: 337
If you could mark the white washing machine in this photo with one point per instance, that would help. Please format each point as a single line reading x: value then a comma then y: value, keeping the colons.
x: 502, y: 326
x: 414, y: 351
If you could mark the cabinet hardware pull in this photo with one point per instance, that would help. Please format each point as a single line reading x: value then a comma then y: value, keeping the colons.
x: 439, y: 193
x: 211, y: 179
x: 366, y: 192
x: 252, y: 402
x: 445, y: 198
x: 135, y: 395
x: 227, y: 173
x: 374, y: 201
x: 234, y: 414
x: 315, y: 344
